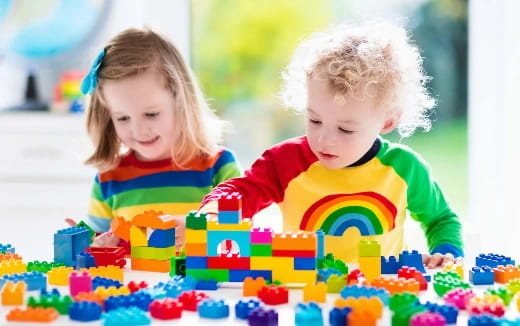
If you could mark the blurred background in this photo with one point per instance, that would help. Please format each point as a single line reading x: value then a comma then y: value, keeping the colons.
x: 237, y: 50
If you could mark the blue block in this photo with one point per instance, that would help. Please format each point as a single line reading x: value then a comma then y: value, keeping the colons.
x: 239, y: 275
x: 308, y: 315
x: 131, y: 316
x: 137, y: 299
x: 304, y: 263
x: 450, y: 313
x: 412, y: 259
x: 85, y: 260
x: 162, y: 238
x: 228, y: 217
x: 481, y: 275
x: 389, y: 265
x: 34, y: 280
x: 209, y: 285
x: 338, y: 316
x: 68, y: 243
x: 85, y: 311
x: 8, y: 248
x: 196, y: 262
x: 213, y: 309
x: 493, y: 260
x: 357, y: 291
x: 483, y: 320
x: 242, y: 238
x: 320, y: 238
x: 244, y: 308
x: 263, y: 317
x: 99, y: 281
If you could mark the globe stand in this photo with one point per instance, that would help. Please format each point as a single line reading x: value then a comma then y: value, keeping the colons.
x: 32, y: 101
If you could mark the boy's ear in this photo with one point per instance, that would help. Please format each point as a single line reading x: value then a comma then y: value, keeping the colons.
x: 389, y: 125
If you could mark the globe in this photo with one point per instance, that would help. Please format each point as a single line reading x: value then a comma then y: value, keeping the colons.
x: 34, y: 34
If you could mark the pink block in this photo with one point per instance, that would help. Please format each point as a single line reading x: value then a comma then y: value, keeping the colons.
x: 428, y: 319
x: 261, y: 236
x: 79, y: 282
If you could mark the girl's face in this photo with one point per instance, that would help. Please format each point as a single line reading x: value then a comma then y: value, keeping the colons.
x: 341, y: 132
x: 141, y: 108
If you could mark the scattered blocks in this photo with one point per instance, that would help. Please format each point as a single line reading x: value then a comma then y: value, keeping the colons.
x: 481, y: 275
x: 191, y: 299
x: 273, y: 295
x: 504, y: 274
x: 166, y: 309
x: 450, y: 313
x: 412, y: 259
x: 131, y: 316
x: 68, y: 243
x: 85, y: 311
x: 493, y: 260
x: 315, y: 292
x: 13, y: 293
x: 458, y: 297
x: 32, y: 315
x: 261, y: 317
x: 244, y: 308
x: 213, y: 309
x: 427, y: 319
x: 308, y: 315
x: 490, y: 304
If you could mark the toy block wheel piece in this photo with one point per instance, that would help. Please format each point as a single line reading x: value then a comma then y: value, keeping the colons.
x: 244, y: 308
x: 214, y: 309
x: 262, y: 317
x: 85, y: 311
x: 166, y: 309
x: 273, y: 295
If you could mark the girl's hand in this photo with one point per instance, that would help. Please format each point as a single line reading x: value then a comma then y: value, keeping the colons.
x: 70, y: 222
x: 439, y: 260
x: 106, y: 239
x: 180, y: 231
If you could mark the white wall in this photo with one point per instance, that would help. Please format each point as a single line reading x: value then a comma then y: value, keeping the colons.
x: 494, y: 113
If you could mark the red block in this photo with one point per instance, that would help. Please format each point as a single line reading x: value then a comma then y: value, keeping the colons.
x: 230, y: 202
x: 105, y: 256
x: 134, y: 286
x: 229, y: 263
x: 273, y: 295
x: 166, y: 309
x: 190, y: 299
x: 412, y: 273
x: 294, y: 253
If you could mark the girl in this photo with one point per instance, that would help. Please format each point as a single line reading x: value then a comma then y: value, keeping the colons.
x: 155, y: 138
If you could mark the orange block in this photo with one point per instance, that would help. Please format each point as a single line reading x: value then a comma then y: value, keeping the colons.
x: 251, y: 286
x: 361, y: 318
x: 91, y: 297
x: 315, y: 292
x: 372, y: 306
x: 8, y: 256
x: 32, y: 314
x: 155, y: 220
x: 12, y: 293
x: 196, y: 249
x: 300, y: 240
x: 399, y: 285
x: 121, y: 227
x: 504, y: 274
x: 151, y: 265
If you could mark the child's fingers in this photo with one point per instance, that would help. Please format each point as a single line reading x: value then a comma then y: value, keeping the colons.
x: 435, y: 260
x: 70, y: 222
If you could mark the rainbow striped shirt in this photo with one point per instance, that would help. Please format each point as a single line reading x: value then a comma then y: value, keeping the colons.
x: 136, y: 186
x: 367, y: 199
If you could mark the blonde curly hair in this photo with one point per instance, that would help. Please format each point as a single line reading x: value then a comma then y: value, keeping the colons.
x: 373, y: 59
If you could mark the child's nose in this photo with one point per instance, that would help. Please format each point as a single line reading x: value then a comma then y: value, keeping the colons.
x: 327, y: 137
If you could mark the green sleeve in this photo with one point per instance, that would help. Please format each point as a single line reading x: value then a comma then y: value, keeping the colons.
x: 426, y: 201
x: 230, y: 169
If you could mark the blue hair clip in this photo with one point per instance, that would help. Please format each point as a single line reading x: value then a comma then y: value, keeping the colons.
x: 89, y: 83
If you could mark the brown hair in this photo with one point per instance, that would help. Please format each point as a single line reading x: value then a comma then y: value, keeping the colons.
x: 132, y: 52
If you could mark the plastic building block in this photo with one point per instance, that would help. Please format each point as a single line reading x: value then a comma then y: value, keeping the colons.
x: 389, y: 265
x: 308, y: 315
x: 105, y: 282
x: 356, y: 291
x: 513, y: 286
x: 273, y: 295
x: 178, y: 266
x: 79, y: 282
x: 91, y: 232
x: 112, y: 291
x: 370, y: 306
x: 412, y: 273
x: 131, y: 316
x: 162, y: 238
x: 338, y: 316
x: 60, y: 303
x: 483, y: 320
x: 493, y: 260
x: 228, y: 217
x: 9, y: 256
x: 113, y: 272
x: 191, y: 299
x: 134, y: 286
x: 369, y: 248
x: 397, y: 285
x: 244, y: 308
x: 12, y: 266
x: 34, y: 280
x: 210, y: 285
x: 261, y: 236
x: 251, y: 286
x: 12, y: 293
x: 329, y: 262
x: 335, y: 283
x: 315, y: 292
x: 305, y: 263
x: 412, y: 259
x: 42, y: 266
x: 89, y: 297
x: 504, y: 274
x: 262, y: 317
x: 458, y: 297
x: 356, y: 277
x: 121, y: 227
x: 502, y: 293
x: 489, y: 304
x: 32, y: 315
x: 230, y: 202
x: 450, y: 313
x: 154, y: 220
x: 427, y: 319
x: 402, y: 317
x: 59, y: 275
x: 85, y: 260
x: 7, y: 248
x: 139, y: 299
x: 196, y: 221
x: 481, y: 275
x: 213, y: 309
x: 370, y: 266
x: 106, y: 256
x: 445, y: 281
x: 68, y: 243
x: 400, y: 300
x: 294, y: 241
x: 324, y: 274
x: 229, y: 262
x: 166, y: 309
x: 85, y: 311
x: 457, y: 268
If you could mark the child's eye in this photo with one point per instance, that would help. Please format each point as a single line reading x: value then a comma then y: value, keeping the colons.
x: 122, y: 119
x: 151, y: 114
x: 345, y: 131
x: 314, y: 121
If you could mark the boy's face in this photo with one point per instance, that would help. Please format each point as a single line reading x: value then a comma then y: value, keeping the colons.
x: 141, y: 108
x: 341, y: 132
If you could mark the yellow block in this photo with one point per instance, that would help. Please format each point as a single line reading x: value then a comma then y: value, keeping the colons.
x: 244, y: 225
x: 138, y: 237
x: 371, y: 267
x: 270, y: 263
x: 196, y: 236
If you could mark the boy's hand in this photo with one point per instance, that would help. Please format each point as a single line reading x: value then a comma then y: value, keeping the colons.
x: 439, y: 260
x: 106, y: 239
x: 70, y: 222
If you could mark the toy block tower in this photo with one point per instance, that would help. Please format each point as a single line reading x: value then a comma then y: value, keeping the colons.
x: 370, y: 258
x: 70, y: 242
x: 152, y: 241
x: 229, y: 208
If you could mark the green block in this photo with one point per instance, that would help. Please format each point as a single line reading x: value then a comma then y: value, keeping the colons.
x: 90, y: 230
x: 401, y: 317
x: 369, y: 248
x: 178, y: 266
x: 153, y: 253
x: 42, y: 266
x: 219, y: 275
x: 196, y: 221
x: 261, y: 250
x: 503, y: 294
x: 61, y: 304
x: 401, y: 300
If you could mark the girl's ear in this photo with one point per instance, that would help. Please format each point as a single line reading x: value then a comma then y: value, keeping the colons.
x: 389, y: 125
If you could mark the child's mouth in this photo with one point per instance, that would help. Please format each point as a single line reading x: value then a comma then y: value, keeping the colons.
x: 327, y: 156
x: 149, y: 142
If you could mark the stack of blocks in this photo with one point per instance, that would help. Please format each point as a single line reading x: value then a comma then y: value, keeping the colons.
x: 229, y: 249
x: 68, y: 243
x: 152, y: 240
x: 370, y: 259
